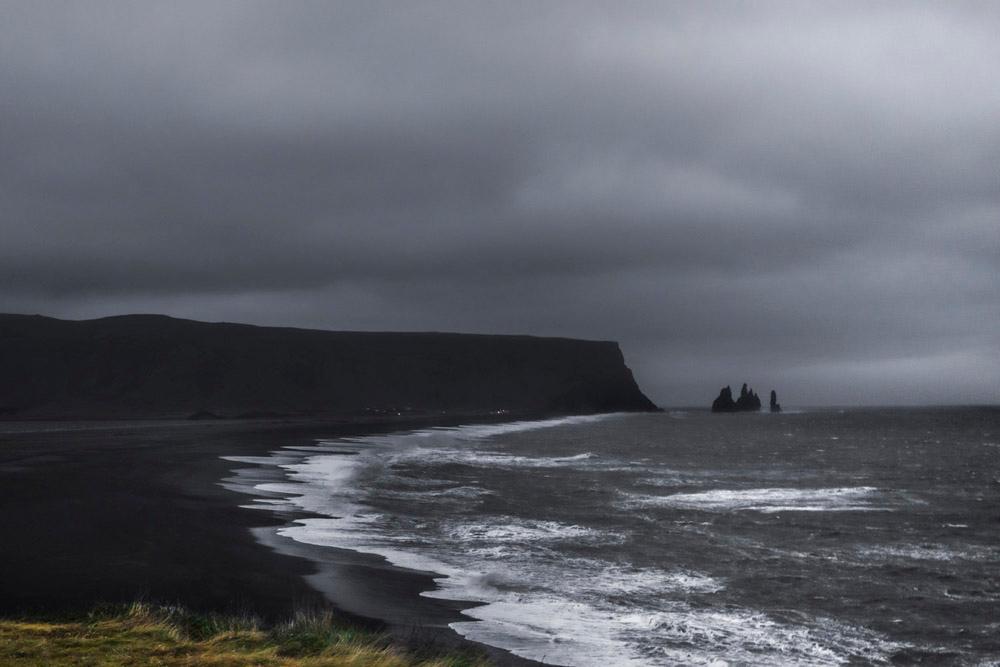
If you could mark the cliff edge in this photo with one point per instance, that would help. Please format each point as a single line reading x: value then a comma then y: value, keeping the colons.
x: 139, y: 366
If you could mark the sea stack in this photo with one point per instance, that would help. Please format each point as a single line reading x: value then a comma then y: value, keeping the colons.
x: 748, y: 399
x: 775, y: 406
x: 724, y: 402
x: 747, y: 402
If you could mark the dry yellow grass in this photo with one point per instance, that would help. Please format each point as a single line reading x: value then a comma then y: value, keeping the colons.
x: 143, y: 635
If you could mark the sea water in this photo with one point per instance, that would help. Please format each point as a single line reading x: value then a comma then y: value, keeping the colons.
x: 803, y: 538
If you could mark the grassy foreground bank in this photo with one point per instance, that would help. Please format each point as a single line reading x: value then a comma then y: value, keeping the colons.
x: 149, y: 635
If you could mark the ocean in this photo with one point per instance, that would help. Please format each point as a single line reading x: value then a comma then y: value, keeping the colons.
x: 811, y: 537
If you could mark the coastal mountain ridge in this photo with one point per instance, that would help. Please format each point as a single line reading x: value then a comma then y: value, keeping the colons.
x: 145, y: 366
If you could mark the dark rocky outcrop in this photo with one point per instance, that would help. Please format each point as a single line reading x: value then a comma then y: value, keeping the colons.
x: 157, y: 366
x: 775, y: 406
x: 724, y: 402
x: 748, y: 400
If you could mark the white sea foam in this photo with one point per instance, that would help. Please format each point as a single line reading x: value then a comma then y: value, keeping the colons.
x: 325, y: 470
x: 520, y: 531
x: 319, y: 484
x: 534, y: 601
x: 477, y: 432
x: 768, y: 501
x: 593, y: 620
x: 929, y: 552
x: 580, y: 612
x: 487, y: 459
x: 617, y: 580
x: 670, y: 478
x: 589, y: 612
x: 681, y: 635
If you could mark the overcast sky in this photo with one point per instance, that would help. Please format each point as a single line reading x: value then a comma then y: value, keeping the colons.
x: 805, y: 196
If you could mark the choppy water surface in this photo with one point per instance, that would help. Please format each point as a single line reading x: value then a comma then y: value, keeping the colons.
x: 819, y: 537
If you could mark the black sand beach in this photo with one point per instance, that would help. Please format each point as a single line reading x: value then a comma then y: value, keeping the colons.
x: 112, y: 512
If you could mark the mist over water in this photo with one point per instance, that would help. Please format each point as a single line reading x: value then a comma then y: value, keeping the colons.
x: 683, y: 538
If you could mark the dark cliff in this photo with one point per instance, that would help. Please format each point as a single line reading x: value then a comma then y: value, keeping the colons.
x: 157, y: 366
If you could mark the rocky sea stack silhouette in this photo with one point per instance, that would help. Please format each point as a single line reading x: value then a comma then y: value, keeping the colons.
x: 748, y: 401
x: 775, y: 406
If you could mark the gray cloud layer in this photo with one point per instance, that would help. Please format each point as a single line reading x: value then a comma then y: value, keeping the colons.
x: 802, y: 195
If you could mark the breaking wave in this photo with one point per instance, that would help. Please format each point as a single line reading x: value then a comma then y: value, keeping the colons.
x: 849, y: 499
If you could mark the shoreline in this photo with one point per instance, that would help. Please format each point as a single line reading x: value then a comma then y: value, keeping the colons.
x: 361, y: 583
x: 364, y: 581
x: 128, y: 511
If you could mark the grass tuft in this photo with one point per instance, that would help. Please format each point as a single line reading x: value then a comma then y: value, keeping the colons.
x: 145, y: 634
x: 312, y: 633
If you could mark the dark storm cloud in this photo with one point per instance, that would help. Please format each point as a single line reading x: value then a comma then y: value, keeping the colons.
x: 802, y: 195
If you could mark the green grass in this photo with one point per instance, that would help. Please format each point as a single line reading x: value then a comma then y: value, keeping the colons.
x: 142, y: 634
